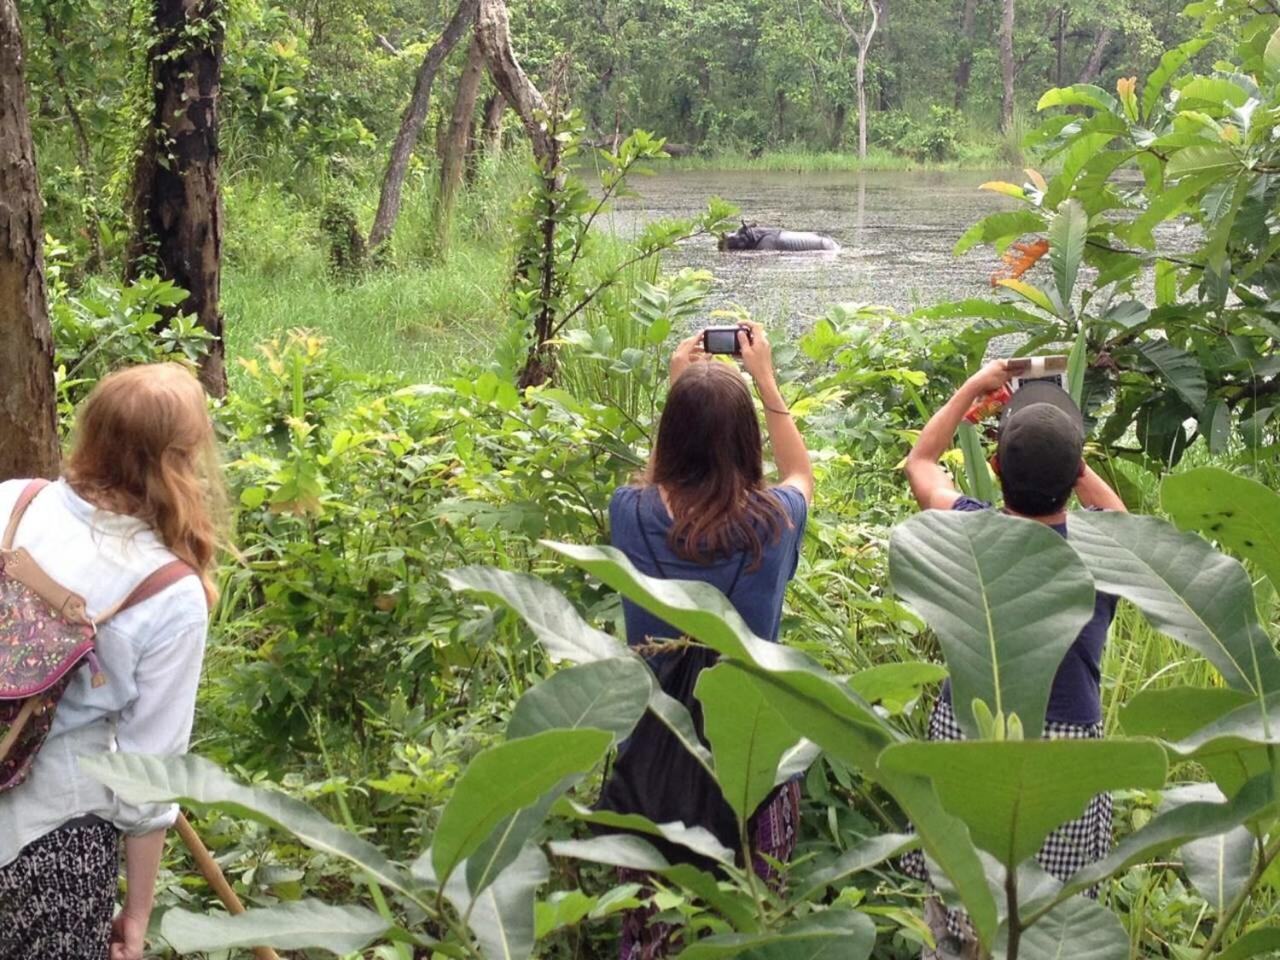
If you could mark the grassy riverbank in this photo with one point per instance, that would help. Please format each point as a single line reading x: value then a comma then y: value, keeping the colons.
x: 975, y: 157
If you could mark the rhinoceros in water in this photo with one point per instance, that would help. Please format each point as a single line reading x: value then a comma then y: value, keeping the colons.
x: 751, y: 236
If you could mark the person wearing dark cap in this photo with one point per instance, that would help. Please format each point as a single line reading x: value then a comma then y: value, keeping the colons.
x: 1039, y: 461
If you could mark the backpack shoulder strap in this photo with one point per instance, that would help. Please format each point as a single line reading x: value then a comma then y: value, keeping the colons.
x: 155, y: 582
x: 19, y: 508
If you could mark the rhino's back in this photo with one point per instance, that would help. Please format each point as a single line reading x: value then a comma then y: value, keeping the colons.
x: 797, y: 241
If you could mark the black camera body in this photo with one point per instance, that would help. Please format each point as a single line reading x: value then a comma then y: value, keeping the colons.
x: 724, y: 340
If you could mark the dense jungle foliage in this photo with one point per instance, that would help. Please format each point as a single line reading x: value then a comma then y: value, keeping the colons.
x: 416, y: 676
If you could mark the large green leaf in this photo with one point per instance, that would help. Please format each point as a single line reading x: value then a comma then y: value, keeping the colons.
x: 1219, y: 867
x: 894, y: 685
x: 1076, y: 929
x: 1011, y: 794
x: 502, y: 780
x: 698, y: 839
x: 1255, y: 943
x: 1066, y: 246
x: 747, y: 735
x: 1000, y: 228
x: 1079, y: 95
x: 1215, y: 91
x: 673, y: 715
x: 613, y: 850
x: 818, y: 706
x: 830, y: 716
x: 1271, y: 56
x: 1186, y: 589
x: 830, y: 935
x: 1241, y: 514
x: 196, y: 782
x: 865, y: 855
x: 1170, y: 64
x: 303, y: 925
x: 634, y: 853
x: 1210, y: 159
x: 604, y: 695
x: 1181, y: 370
x: 1177, y: 712
x: 1168, y: 830
x: 501, y: 918
x: 557, y: 625
x: 1236, y: 747
x: 1007, y: 598
x: 505, y: 841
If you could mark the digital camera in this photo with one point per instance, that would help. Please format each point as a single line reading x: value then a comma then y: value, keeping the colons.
x: 724, y: 340
x: 1030, y: 369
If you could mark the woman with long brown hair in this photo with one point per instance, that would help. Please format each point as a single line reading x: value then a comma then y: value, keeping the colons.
x: 702, y: 510
x: 129, y: 527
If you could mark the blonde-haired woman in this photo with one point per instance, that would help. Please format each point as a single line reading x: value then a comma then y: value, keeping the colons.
x: 140, y: 491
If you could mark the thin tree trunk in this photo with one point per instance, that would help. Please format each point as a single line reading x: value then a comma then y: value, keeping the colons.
x: 964, y: 66
x: 862, y: 39
x: 1007, y: 67
x: 453, y: 160
x: 1093, y: 66
x: 83, y: 152
x: 177, y: 210
x: 494, y: 33
x: 837, y: 126
x: 28, y: 410
x: 415, y: 115
x: 491, y: 133
x: 864, y: 44
x: 1060, y: 43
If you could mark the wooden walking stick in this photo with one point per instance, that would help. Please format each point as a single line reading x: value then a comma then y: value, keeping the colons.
x: 213, y: 876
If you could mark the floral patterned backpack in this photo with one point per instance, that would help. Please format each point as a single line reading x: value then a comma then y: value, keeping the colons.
x: 45, y: 635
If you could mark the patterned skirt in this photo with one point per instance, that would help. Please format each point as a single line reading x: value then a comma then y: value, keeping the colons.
x: 1068, y: 849
x: 58, y: 897
x: 773, y: 831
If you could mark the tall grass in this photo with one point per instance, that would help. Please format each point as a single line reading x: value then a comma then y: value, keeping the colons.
x: 973, y: 155
x: 414, y: 314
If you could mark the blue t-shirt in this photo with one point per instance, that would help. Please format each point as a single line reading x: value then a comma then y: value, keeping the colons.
x: 1076, y: 697
x: 637, y: 512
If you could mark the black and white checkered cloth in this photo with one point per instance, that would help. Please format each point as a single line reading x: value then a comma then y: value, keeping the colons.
x: 1068, y: 849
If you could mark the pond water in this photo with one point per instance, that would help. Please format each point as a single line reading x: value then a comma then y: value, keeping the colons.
x: 896, y: 229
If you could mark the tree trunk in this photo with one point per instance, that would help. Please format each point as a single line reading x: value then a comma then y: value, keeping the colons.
x: 28, y: 410
x: 453, y: 160
x: 494, y: 33
x: 495, y: 109
x: 177, y: 212
x: 864, y: 44
x: 837, y: 126
x: 1007, y: 68
x: 1060, y: 43
x: 415, y: 115
x: 83, y: 152
x: 964, y: 66
x: 1093, y: 66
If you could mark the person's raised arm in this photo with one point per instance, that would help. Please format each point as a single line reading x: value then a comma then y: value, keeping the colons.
x: 930, y: 483
x: 790, y: 454
x: 1093, y: 491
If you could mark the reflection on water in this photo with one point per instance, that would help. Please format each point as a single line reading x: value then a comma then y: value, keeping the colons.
x: 897, y: 230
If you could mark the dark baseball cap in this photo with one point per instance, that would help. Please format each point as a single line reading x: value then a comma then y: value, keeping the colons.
x: 1040, y: 446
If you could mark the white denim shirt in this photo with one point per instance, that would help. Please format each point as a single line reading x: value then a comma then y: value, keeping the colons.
x: 150, y: 653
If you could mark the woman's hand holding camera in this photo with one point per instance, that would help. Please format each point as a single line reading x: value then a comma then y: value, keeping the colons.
x: 687, y: 351
x: 757, y: 355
